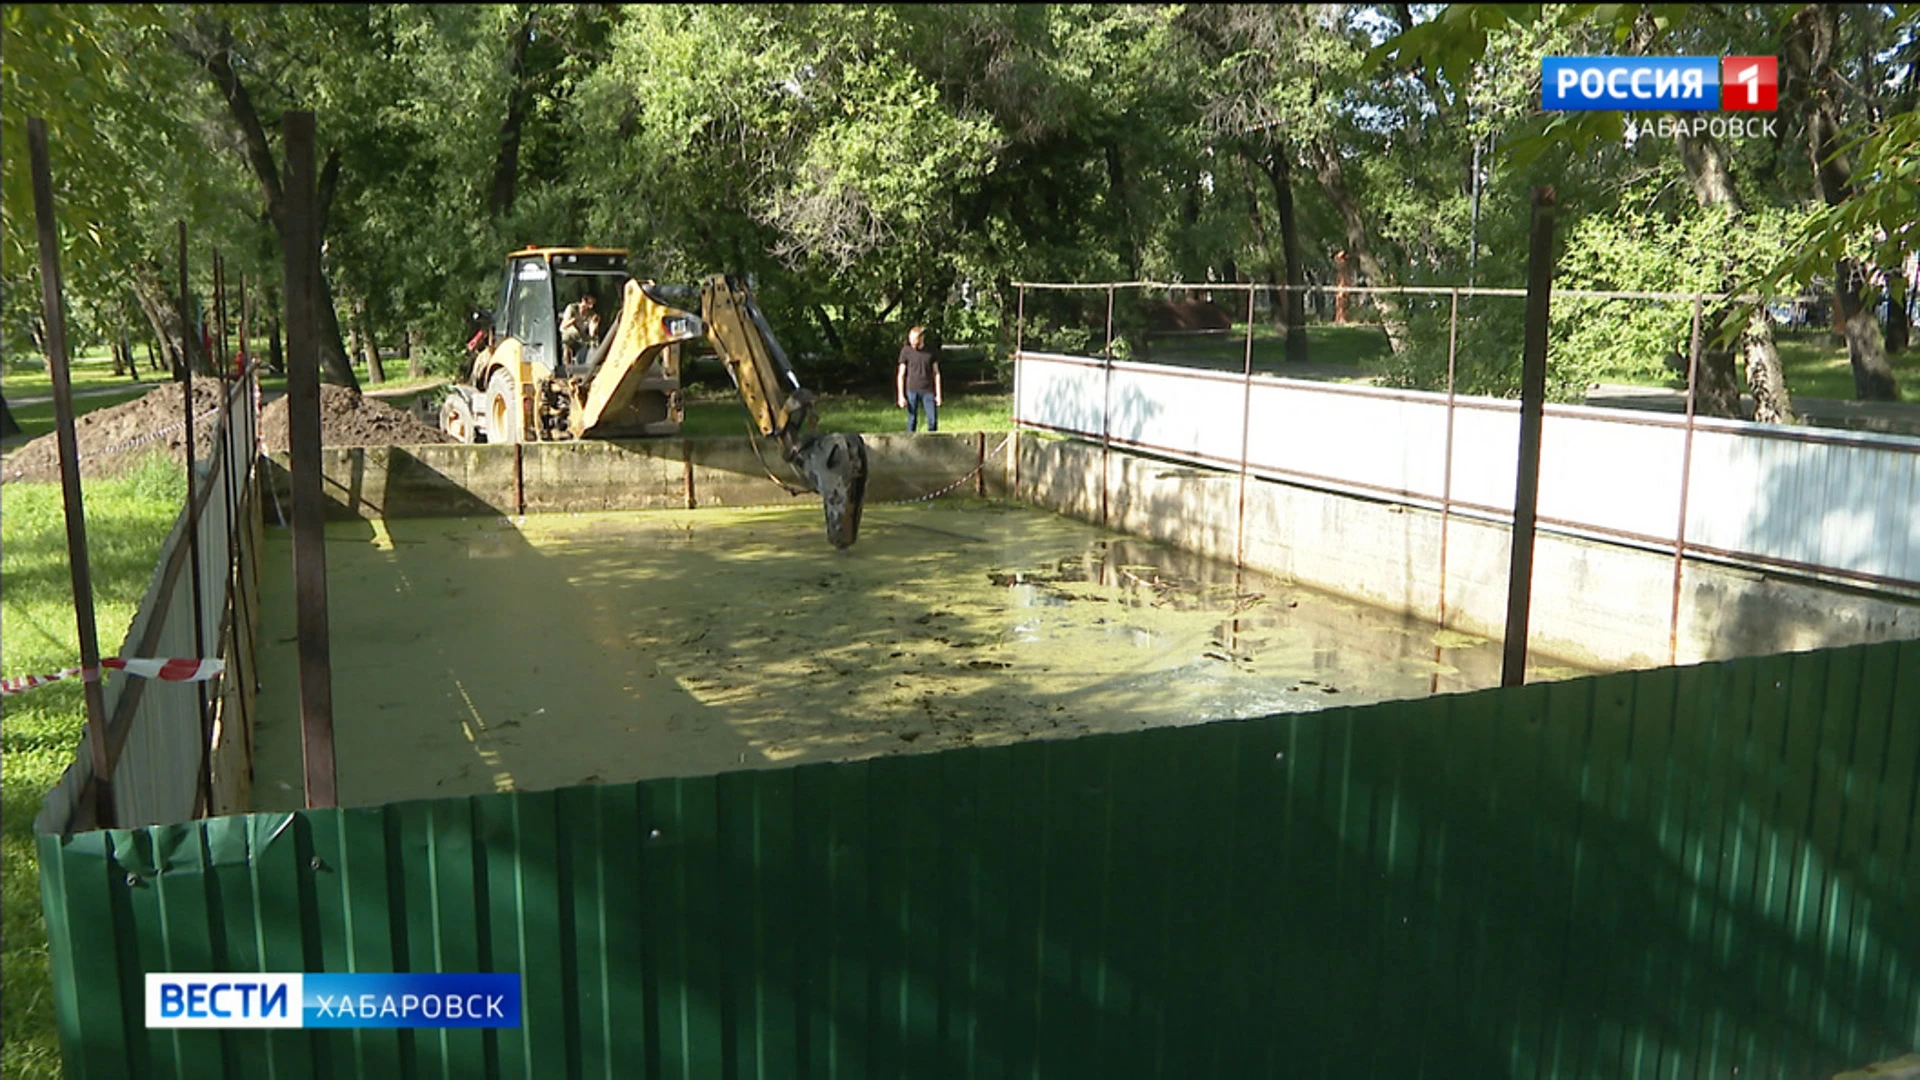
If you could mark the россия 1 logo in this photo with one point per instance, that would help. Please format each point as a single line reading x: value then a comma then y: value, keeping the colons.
x: 1660, y: 83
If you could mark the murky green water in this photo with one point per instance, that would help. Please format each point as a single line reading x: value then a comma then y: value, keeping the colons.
x: 482, y: 654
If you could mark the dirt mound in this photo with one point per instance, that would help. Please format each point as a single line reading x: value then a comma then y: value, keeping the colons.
x: 112, y: 440
x: 348, y: 419
x: 1178, y: 315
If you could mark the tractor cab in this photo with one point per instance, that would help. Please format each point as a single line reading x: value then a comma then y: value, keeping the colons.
x: 541, y: 285
x: 534, y: 381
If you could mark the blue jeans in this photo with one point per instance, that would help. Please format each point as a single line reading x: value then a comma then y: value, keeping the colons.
x: 917, y: 400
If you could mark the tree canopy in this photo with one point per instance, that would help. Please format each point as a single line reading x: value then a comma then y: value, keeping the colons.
x: 875, y: 166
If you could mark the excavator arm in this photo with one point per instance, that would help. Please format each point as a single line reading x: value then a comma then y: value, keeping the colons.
x: 651, y: 319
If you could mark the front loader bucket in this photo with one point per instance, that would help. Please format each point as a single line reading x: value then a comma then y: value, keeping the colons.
x: 836, y: 466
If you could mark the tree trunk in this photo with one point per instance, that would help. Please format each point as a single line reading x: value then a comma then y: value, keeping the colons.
x: 827, y: 330
x: 506, y: 165
x: 1717, y: 393
x: 1807, y: 55
x: 1899, y: 329
x: 161, y: 305
x: 212, y: 49
x: 1332, y: 177
x: 362, y: 341
x: 1711, y: 177
x: 334, y: 365
x: 270, y: 305
x: 1117, y: 189
x: 1866, y: 350
x: 413, y: 348
x: 1279, y: 172
x: 1274, y: 274
x: 123, y: 359
x: 8, y: 425
x: 1766, y: 380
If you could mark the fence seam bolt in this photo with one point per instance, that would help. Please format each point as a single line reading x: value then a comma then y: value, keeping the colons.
x: 133, y: 880
x: 316, y: 864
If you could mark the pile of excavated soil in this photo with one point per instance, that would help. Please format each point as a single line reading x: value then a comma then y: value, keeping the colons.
x: 1185, y: 315
x: 112, y: 440
x: 348, y: 419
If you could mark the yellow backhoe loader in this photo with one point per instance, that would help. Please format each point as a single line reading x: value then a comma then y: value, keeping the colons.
x: 614, y: 371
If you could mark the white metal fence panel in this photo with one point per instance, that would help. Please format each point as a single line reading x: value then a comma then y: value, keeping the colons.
x: 156, y: 778
x: 1486, y: 444
x: 1394, y: 444
x: 1851, y: 503
x: 1839, y: 504
x: 1605, y: 473
x: 1191, y: 413
x: 1060, y: 393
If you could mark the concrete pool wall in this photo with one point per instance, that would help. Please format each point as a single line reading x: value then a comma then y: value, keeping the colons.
x: 1596, y: 603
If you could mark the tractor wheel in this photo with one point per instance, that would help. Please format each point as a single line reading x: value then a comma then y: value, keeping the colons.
x: 503, y: 409
x: 456, y: 418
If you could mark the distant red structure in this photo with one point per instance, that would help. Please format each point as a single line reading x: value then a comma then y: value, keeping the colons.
x: 1343, y: 280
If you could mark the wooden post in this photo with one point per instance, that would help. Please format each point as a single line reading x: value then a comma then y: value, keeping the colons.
x: 53, y: 307
x: 301, y: 244
x: 1533, y: 392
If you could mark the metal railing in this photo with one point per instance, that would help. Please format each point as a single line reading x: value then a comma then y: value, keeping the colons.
x: 1826, y: 504
x: 161, y: 746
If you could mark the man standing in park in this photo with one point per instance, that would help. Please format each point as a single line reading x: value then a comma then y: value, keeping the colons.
x: 916, y: 382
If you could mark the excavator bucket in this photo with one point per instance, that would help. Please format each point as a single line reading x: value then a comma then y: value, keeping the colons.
x: 836, y: 466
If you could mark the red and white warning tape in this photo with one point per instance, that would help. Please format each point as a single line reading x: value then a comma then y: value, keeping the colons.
x: 176, y: 670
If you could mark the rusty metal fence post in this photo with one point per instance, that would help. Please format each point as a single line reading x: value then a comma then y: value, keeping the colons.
x: 187, y: 340
x: 1533, y: 392
x: 1686, y: 477
x: 1106, y: 407
x: 1246, y: 432
x: 1446, y: 481
x: 300, y: 239
x: 236, y: 612
x: 1019, y: 348
x: 53, y: 306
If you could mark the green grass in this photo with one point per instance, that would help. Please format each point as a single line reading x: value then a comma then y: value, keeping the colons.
x: 29, y: 378
x: 127, y: 520
x: 37, y: 419
x: 1815, y: 364
x: 721, y: 414
x: 1816, y: 368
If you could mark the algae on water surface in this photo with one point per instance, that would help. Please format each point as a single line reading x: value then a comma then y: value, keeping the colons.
x: 480, y: 654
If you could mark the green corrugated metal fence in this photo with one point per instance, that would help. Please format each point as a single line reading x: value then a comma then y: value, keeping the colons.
x: 1676, y: 872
